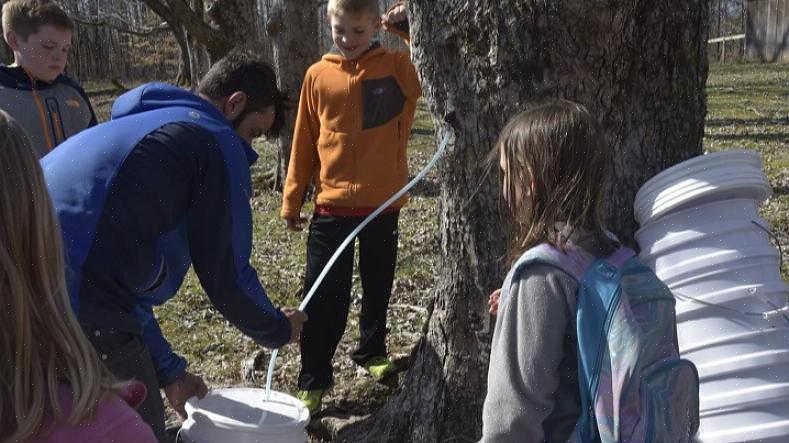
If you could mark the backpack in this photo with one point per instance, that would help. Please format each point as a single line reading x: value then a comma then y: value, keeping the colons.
x: 633, y: 385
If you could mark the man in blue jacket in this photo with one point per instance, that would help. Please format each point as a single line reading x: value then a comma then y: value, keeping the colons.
x: 164, y: 185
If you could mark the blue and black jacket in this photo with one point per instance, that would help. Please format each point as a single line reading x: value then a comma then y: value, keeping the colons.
x: 164, y: 185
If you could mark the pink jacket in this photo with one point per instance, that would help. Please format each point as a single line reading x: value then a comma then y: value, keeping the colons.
x: 115, y: 421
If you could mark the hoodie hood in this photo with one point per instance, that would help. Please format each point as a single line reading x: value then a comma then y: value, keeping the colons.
x: 15, y: 77
x: 334, y: 54
x: 154, y: 96
x: 151, y: 96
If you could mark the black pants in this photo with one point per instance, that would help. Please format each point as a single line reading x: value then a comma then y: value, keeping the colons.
x: 328, y: 309
x: 127, y: 357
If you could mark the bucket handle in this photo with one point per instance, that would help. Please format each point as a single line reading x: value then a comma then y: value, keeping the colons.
x: 774, y: 238
x: 783, y: 311
x: 713, y: 305
x: 767, y: 315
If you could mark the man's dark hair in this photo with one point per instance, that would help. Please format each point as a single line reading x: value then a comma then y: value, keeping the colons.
x: 242, y: 71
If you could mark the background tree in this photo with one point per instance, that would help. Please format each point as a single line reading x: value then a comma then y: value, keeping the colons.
x: 209, y: 30
x: 6, y: 56
x: 292, y: 26
x: 639, y: 65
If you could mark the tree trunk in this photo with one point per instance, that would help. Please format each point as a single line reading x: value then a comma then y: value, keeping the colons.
x: 184, y: 76
x: 212, y: 32
x: 292, y: 26
x: 639, y: 65
x: 6, y: 56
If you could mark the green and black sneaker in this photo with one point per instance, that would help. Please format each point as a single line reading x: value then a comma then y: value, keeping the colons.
x: 311, y: 399
x: 380, y: 368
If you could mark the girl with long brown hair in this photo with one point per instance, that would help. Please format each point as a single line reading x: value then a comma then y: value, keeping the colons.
x: 52, y: 385
x: 554, y: 167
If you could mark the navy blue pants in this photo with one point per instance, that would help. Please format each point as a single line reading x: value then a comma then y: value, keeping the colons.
x: 328, y: 309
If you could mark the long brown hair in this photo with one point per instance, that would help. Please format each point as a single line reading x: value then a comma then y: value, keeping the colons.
x: 558, y: 167
x: 41, y: 342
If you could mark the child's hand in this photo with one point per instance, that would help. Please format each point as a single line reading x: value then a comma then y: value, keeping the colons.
x: 295, y: 223
x: 398, y: 13
x: 493, y: 301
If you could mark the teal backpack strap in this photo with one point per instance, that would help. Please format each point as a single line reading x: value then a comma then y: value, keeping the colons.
x: 572, y: 260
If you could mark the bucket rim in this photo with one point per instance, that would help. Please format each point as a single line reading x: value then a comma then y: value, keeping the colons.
x: 220, y: 421
x: 649, y: 203
x: 705, y: 207
x: 726, y: 339
x: 692, y: 162
x: 649, y: 209
x: 680, y: 240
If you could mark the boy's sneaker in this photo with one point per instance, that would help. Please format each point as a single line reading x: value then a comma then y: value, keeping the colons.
x: 311, y: 399
x: 380, y: 368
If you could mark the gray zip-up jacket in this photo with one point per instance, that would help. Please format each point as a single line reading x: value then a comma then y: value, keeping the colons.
x: 48, y: 112
x: 533, y: 391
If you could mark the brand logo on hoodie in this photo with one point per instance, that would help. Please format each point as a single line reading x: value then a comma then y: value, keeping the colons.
x: 379, y: 91
x: 72, y: 103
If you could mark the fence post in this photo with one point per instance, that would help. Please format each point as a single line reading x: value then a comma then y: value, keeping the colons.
x: 723, y: 52
x: 723, y: 40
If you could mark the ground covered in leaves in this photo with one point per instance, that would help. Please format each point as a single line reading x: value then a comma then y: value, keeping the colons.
x: 748, y: 108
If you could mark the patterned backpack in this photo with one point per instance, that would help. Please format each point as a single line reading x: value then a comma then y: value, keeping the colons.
x: 634, y: 387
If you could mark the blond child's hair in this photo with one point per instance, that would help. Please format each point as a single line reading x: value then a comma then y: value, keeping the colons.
x: 25, y: 17
x: 353, y: 7
x: 559, y: 165
x: 41, y: 342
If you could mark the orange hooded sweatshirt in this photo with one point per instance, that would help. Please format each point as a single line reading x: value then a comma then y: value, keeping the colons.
x: 351, y: 133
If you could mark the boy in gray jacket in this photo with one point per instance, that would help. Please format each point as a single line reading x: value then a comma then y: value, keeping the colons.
x: 50, y: 106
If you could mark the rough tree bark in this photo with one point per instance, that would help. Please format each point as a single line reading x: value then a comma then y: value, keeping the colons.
x: 639, y: 65
x: 6, y: 56
x: 292, y: 26
x: 184, y: 75
x: 211, y: 32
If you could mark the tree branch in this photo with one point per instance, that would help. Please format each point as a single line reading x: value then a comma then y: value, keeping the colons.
x: 215, y: 41
x: 116, y: 22
x: 178, y: 12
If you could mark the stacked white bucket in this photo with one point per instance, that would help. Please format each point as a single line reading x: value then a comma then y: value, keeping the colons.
x: 701, y: 233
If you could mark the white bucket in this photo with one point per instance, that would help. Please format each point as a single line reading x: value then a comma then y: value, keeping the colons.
x: 718, y: 176
x: 697, y: 224
x: 241, y: 415
x: 702, y: 235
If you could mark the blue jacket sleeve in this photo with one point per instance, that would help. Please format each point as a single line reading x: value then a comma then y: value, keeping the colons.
x: 219, y: 231
x: 168, y: 364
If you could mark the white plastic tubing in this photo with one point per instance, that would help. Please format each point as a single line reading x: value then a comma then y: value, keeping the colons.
x: 442, y: 147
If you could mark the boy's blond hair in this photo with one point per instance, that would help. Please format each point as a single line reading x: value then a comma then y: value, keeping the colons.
x: 25, y: 17
x: 353, y: 7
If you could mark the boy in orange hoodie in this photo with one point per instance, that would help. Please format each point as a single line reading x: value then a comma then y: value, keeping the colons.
x: 355, y: 113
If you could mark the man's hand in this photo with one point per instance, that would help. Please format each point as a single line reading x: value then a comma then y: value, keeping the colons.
x: 295, y: 223
x: 186, y: 386
x: 397, y: 14
x: 297, y: 319
x: 493, y: 301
